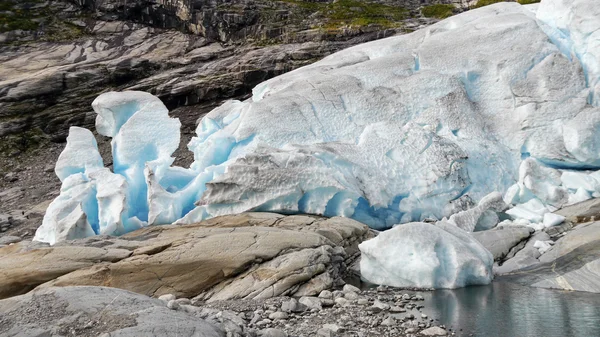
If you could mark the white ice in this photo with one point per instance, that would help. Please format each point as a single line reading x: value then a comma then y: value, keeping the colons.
x: 425, y: 256
x: 412, y: 127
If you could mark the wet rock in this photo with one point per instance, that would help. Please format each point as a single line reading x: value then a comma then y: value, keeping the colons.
x: 434, y: 331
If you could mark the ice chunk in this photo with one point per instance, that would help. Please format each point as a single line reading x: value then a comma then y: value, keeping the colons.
x: 542, y: 182
x: 551, y: 219
x: 576, y: 180
x: 579, y: 196
x: 425, y: 255
x: 467, y: 220
x: 543, y: 246
x: 80, y: 155
x: 67, y: 216
x: 533, y: 211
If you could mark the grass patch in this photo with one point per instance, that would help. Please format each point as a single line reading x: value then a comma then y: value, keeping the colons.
x: 439, y: 11
x: 354, y: 13
x: 482, y: 3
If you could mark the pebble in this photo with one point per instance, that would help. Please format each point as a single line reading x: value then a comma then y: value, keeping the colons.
x: 278, y: 315
x: 311, y: 302
x: 173, y: 305
x: 381, y: 305
x: 434, y: 331
x: 348, y: 288
x: 271, y: 332
x: 325, y: 333
x: 389, y: 321
x: 183, y: 301
x: 326, y: 294
x: 167, y: 297
x: 342, y: 302
x: 352, y: 296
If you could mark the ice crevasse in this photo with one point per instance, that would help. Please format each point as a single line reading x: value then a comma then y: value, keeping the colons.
x: 420, y: 126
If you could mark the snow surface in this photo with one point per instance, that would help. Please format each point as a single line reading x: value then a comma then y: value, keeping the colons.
x: 425, y: 255
x: 413, y: 127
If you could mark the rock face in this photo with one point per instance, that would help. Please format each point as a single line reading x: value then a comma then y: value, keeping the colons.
x: 253, y: 255
x: 96, y: 311
x: 573, y: 263
x: 500, y: 241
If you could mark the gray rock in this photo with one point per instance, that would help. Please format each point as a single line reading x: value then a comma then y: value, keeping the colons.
x: 118, y: 312
x: 351, y: 296
x: 271, y: 332
x: 167, y: 297
x: 434, y: 331
x: 332, y: 327
x: 585, y: 211
x: 11, y: 177
x: 311, y: 302
x: 173, y: 305
x: 342, y: 302
x: 381, y: 305
x: 325, y: 333
x: 279, y: 315
x: 389, y: 321
x: 573, y: 263
x: 350, y: 288
x: 6, y: 240
x: 293, y: 306
x: 500, y: 241
x: 326, y: 294
x: 525, y: 257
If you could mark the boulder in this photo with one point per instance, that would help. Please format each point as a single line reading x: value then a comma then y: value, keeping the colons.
x: 94, y: 311
x: 223, y: 258
x: 584, y: 211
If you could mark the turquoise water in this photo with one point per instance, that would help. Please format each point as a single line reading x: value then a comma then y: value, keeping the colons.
x: 510, y: 310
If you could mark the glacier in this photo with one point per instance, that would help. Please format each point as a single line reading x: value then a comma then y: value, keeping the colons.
x: 502, y: 99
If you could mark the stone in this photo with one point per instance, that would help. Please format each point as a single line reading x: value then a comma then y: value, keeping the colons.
x: 350, y: 288
x: 381, y: 305
x: 272, y: 332
x: 351, y: 296
x: 167, y: 297
x: 500, y: 241
x: 325, y: 333
x: 389, y: 321
x: 115, y: 312
x: 11, y: 177
x: 292, y: 306
x: 326, y: 294
x: 278, y: 316
x: 311, y: 302
x: 157, y: 260
x: 342, y: 302
x: 434, y: 331
x: 173, y: 305
x: 183, y: 301
x: 332, y: 327
x: 8, y: 239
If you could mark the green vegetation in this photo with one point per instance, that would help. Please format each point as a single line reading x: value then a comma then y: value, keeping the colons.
x: 482, y: 3
x: 354, y: 13
x: 13, y: 17
x: 439, y: 11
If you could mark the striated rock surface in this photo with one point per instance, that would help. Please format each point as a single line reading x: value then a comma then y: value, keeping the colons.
x: 252, y: 255
x: 573, y: 263
x: 96, y: 311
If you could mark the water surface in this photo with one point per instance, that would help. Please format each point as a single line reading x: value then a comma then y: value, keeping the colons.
x: 509, y: 310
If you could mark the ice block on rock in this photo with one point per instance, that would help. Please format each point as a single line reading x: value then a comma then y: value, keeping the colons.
x: 426, y: 256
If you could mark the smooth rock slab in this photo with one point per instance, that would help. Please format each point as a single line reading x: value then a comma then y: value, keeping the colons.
x: 93, y: 311
x: 573, y: 263
x: 500, y: 241
x: 212, y: 260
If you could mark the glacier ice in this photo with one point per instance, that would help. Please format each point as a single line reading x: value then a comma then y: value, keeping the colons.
x: 412, y: 127
x: 425, y: 255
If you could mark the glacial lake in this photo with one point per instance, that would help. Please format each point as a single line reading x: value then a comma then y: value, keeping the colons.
x: 504, y: 309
